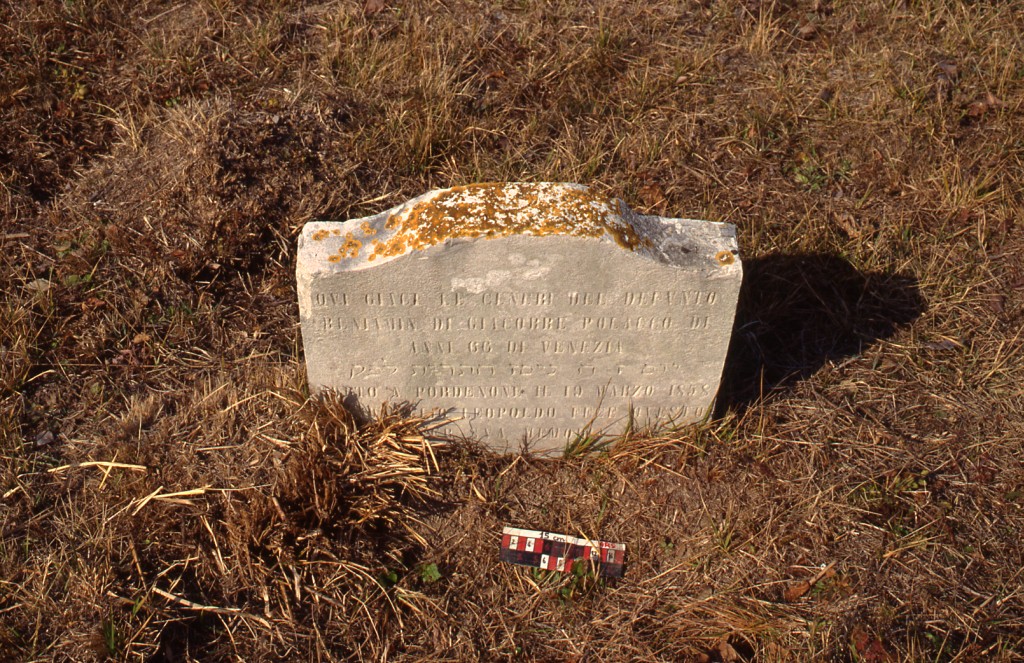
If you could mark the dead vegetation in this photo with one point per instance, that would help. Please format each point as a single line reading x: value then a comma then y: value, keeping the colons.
x: 167, y: 492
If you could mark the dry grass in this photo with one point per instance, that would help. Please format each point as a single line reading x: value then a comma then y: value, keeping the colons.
x: 167, y: 492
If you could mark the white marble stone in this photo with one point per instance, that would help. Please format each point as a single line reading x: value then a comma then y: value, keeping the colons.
x: 529, y: 312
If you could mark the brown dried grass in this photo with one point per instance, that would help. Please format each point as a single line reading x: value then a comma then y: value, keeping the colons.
x: 158, y: 159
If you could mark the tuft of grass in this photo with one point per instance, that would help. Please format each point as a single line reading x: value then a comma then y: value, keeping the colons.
x: 586, y: 443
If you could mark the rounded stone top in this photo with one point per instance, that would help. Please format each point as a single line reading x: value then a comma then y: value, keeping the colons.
x: 497, y: 210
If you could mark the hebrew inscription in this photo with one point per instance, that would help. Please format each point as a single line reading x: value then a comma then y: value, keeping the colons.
x: 528, y: 336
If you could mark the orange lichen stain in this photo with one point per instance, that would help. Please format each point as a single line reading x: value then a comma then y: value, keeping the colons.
x: 333, y: 258
x: 499, y: 210
x: 724, y: 258
x: 319, y: 235
x: 367, y: 229
x: 350, y: 247
x: 335, y: 232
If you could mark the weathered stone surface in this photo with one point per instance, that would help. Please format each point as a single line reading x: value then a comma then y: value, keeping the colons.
x: 531, y: 311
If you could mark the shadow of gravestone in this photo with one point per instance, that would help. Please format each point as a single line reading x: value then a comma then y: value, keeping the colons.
x: 797, y: 312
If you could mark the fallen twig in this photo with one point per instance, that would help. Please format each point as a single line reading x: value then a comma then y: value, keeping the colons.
x: 109, y: 465
x: 191, y: 605
x: 170, y: 497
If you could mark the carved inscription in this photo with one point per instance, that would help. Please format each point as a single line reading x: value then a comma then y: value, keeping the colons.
x: 571, y: 337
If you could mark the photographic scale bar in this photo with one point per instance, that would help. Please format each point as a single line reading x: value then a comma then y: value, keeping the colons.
x: 560, y: 552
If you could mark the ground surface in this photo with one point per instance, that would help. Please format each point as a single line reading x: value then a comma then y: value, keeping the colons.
x: 167, y: 492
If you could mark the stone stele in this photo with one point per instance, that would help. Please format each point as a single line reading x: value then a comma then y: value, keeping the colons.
x: 527, y: 313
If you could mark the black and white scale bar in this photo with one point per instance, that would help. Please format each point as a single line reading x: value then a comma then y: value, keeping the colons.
x: 560, y: 552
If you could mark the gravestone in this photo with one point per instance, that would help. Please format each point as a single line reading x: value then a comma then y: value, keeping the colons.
x: 526, y: 312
